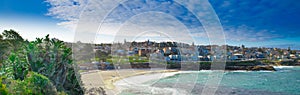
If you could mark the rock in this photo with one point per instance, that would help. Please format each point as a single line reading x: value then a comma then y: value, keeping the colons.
x: 258, y: 68
x: 95, y: 91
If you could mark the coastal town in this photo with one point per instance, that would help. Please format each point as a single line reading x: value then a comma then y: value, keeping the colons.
x: 148, y: 52
x: 149, y: 47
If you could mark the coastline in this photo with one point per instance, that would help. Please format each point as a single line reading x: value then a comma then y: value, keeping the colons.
x: 106, y: 79
x: 112, y: 79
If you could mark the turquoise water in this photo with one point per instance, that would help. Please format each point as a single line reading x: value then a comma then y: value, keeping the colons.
x: 285, y: 81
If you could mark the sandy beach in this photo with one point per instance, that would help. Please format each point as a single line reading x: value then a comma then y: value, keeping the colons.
x: 108, y: 79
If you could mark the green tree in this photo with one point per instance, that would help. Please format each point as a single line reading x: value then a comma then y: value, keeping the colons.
x: 12, y: 35
x: 15, y: 67
x: 48, y: 57
x: 101, y: 55
x: 3, y: 49
x: 13, y: 38
x: 52, y: 58
x: 1, y: 37
x: 10, y: 40
x: 33, y: 84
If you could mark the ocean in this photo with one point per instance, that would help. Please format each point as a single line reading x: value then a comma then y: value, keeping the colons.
x: 284, y: 81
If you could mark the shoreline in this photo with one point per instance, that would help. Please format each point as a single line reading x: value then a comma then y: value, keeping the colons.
x: 106, y: 79
x: 122, y: 85
x: 111, y: 80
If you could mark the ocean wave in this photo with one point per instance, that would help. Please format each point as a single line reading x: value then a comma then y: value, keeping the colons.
x: 203, y: 71
x: 263, y: 71
x: 280, y: 67
x: 283, y: 68
x: 240, y: 71
x: 245, y: 71
x: 150, y: 90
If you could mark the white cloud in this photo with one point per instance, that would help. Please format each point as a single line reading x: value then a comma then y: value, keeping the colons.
x: 246, y: 33
x: 85, y: 16
x: 74, y: 12
x: 149, y: 25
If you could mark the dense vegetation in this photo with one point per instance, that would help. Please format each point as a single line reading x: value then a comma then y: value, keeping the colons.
x: 43, y: 66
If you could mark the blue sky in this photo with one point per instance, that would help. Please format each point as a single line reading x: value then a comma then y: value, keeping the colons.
x: 271, y: 23
x: 29, y: 18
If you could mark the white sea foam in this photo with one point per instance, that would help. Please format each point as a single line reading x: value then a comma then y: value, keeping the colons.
x: 239, y: 71
x: 149, y: 90
x: 263, y: 71
x: 137, y: 83
x: 184, y: 72
x: 206, y: 71
x: 280, y: 67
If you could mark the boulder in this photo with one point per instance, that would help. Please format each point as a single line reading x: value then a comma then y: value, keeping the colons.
x: 259, y: 68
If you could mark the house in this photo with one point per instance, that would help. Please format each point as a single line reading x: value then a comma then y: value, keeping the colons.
x: 292, y: 56
x: 144, y: 51
x: 237, y: 57
x: 259, y: 55
x: 167, y: 50
x: 131, y: 53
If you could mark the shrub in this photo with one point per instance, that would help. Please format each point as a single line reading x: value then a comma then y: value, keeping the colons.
x: 34, y: 83
x: 40, y: 84
x: 3, y: 89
